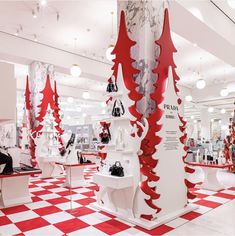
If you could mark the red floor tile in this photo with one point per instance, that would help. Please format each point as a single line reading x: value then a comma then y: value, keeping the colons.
x: 36, y: 199
x: 58, y: 200
x: 69, y: 226
x: 42, y: 192
x: 89, y: 194
x: 191, y: 215
x: 47, y: 210
x: 232, y: 188
x: 111, y: 227
x: 15, y: 209
x: 31, y: 224
x: 66, y: 193
x: 4, y: 220
x: 85, y: 201
x: 160, y: 230
x: 200, y: 195
x: 107, y: 214
x: 81, y: 211
x: 207, y: 203
x: 225, y: 195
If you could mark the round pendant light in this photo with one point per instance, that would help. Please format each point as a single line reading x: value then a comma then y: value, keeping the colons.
x: 109, y: 50
x: 75, y: 70
x: 222, y: 111
x: 70, y: 99
x: 86, y: 95
x: 201, y: 83
x: 210, y: 109
x: 192, y: 117
x: 232, y: 113
x: 231, y: 3
x: 188, y: 98
x: 224, y: 92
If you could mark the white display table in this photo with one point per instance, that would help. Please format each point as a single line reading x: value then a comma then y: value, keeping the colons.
x: 49, y: 167
x: 74, y: 174
x: 211, y: 181
x: 15, y: 189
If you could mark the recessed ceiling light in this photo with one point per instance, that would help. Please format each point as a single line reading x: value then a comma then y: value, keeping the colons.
x: 224, y: 92
x: 192, y: 117
x: 103, y: 111
x: 232, y: 113
x: 78, y: 109
x: 201, y: 83
x: 70, y: 100
x: 188, y: 98
x: 231, y: 3
x: 210, y: 109
x: 222, y: 111
x: 212, y: 120
x: 195, y: 45
x: 84, y: 114
x: 220, y: 121
x: 68, y: 117
x: 195, y: 121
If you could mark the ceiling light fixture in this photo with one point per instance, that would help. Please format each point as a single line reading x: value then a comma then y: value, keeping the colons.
x: 110, y: 48
x: 192, y: 117
x: 212, y: 120
x: 210, y: 109
x: 84, y: 114
x: 75, y: 69
x: 188, y: 98
x: 224, y: 92
x: 79, y: 109
x: 17, y: 32
x: 231, y: 3
x: 86, y: 95
x: 232, y: 113
x: 43, y: 2
x: 103, y: 112
x: 201, y: 83
x: 34, y: 14
x: 195, y: 121
x: 220, y: 121
x: 222, y: 111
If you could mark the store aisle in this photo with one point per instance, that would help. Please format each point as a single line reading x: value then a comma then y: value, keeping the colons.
x: 49, y: 214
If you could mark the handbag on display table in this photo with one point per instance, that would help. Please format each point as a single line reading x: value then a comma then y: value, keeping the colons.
x: 105, y: 135
x: 117, y: 169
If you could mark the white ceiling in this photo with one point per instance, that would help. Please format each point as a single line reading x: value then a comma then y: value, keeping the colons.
x: 90, y: 22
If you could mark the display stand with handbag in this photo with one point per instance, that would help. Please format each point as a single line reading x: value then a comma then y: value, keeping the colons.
x: 118, y: 108
x: 105, y: 135
x: 117, y: 169
x: 112, y: 85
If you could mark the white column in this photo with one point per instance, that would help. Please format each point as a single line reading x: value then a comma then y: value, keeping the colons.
x: 224, y: 125
x: 205, y: 124
x: 144, y: 21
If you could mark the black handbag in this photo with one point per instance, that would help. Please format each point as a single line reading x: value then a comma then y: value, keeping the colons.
x: 118, y: 110
x: 117, y: 169
x: 105, y: 136
x: 112, y: 86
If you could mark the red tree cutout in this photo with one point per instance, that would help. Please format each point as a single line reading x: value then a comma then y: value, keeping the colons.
x: 57, y: 115
x: 28, y: 109
x: 48, y: 100
x: 122, y: 50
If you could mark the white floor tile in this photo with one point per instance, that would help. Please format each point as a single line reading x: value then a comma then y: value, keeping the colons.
x: 21, y: 216
x: 177, y: 222
x: 36, y: 189
x: 217, y: 199
x: 207, y: 192
x: 57, y: 190
x: 75, y: 197
x: 44, y: 184
x: 202, y: 209
x: 67, y: 206
x: 58, y: 217
x: 9, y: 230
x: 49, y: 230
x: 131, y: 232
x: 36, y: 205
x: 49, y: 196
x: 88, y: 231
x: 228, y: 191
x: 94, y: 218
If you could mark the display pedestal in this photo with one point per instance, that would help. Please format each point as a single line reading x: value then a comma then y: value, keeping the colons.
x: 49, y: 167
x: 149, y: 225
x: 74, y: 174
x: 15, y: 189
x: 211, y: 181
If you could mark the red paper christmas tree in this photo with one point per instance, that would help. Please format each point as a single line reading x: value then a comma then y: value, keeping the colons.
x: 122, y: 52
x: 28, y: 109
x: 47, y: 101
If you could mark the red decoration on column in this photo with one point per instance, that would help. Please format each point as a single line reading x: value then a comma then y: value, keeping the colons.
x: 57, y: 115
x: 122, y: 51
x: 28, y: 109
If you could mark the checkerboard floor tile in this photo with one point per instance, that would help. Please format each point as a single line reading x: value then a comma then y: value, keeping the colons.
x: 50, y: 212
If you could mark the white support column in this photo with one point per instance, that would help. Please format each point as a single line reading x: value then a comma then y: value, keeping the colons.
x: 205, y: 124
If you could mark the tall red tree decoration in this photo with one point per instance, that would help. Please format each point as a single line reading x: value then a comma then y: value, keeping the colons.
x: 122, y: 50
x: 47, y: 100
x: 28, y: 108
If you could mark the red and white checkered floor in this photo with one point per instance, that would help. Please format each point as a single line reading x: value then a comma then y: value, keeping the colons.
x: 49, y: 213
